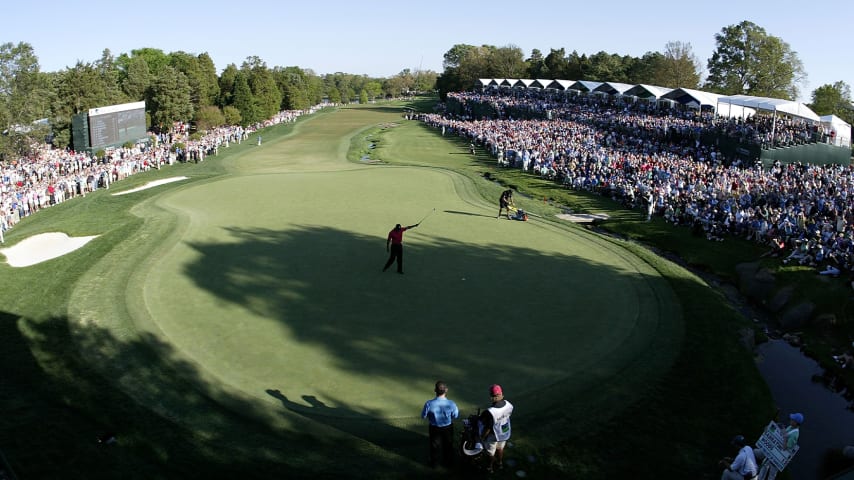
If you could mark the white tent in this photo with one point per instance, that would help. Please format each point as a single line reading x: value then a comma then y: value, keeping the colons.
x: 561, y: 84
x: 585, y: 85
x: 691, y: 97
x: 777, y: 105
x: 647, y: 91
x: 613, y: 88
x: 842, y: 135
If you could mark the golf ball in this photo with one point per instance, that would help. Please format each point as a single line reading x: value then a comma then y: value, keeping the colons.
x: 463, y: 278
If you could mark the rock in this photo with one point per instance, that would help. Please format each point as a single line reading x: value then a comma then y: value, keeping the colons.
x: 781, y: 298
x: 760, y: 286
x: 797, y: 316
x: 825, y: 320
x: 747, y: 337
x: 746, y: 270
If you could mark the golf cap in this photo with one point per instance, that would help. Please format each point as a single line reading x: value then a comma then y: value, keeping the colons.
x: 798, y: 417
x: 739, y: 441
x: 495, y: 390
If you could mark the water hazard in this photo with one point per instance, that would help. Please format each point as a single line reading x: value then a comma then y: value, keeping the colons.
x: 829, y: 422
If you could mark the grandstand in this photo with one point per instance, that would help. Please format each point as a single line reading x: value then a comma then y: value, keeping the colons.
x: 829, y: 143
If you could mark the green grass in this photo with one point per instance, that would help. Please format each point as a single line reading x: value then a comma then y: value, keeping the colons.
x: 237, y: 324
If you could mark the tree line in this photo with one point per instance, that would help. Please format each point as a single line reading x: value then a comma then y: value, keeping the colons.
x: 747, y: 60
x: 176, y: 86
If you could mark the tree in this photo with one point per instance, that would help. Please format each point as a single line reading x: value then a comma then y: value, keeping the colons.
x: 137, y: 79
x: 292, y: 83
x: 536, y: 65
x: 749, y: 61
x: 243, y: 100
x: 605, y: 67
x: 679, y: 68
x: 209, y: 117
x: 25, y: 95
x: 504, y: 62
x: 834, y: 100
x: 334, y: 95
x: 108, y: 73
x: 231, y: 115
x: 265, y: 92
x: 454, y: 79
x: 78, y: 89
x: 170, y: 98
x: 645, y: 69
x: 363, y: 97
x: 226, y: 85
x: 209, y: 82
x: 425, y: 80
x: 577, y: 67
x: 373, y: 89
x: 154, y: 57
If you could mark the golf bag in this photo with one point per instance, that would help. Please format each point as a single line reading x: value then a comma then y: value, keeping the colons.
x: 471, y: 448
x: 520, y: 215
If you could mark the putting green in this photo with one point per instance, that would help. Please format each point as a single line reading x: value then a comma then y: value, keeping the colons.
x: 271, y: 282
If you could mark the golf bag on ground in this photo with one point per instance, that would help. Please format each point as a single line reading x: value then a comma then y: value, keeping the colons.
x: 471, y: 448
x: 518, y: 214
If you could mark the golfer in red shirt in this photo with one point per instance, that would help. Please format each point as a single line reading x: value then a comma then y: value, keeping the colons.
x: 394, y: 245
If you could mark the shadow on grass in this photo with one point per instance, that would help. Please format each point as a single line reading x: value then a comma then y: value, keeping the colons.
x: 470, y: 214
x: 452, y: 314
x: 56, y: 407
x: 370, y: 428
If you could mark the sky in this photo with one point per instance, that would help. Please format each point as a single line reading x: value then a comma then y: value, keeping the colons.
x: 382, y: 38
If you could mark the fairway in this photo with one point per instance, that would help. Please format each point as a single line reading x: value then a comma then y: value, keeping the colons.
x: 266, y: 284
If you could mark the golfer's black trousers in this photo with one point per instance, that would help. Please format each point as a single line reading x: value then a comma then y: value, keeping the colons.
x: 396, y: 253
x: 442, y: 446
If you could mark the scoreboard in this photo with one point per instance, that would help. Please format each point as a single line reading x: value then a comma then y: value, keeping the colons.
x: 116, y: 124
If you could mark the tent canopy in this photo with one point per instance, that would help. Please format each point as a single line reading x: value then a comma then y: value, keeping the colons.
x: 688, y: 96
x: 613, y: 88
x: 647, y: 91
x: 795, y: 109
x: 842, y: 129
x: 585, y: 85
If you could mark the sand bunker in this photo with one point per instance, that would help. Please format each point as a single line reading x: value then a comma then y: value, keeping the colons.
x: 43, y: 247
x: 583, y: 217
x: 152, y: 184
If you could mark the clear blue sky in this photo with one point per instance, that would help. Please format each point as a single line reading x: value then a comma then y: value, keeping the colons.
x: 381, y: 38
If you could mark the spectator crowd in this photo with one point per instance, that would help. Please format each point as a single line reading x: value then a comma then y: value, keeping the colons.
x: 48, y: 176
x: 653, y: 158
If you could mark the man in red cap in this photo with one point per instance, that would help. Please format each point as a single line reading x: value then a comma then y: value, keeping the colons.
x: 495, y: 421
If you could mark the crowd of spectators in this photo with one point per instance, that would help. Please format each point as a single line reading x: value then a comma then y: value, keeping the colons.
x: 653, y: 159
x: 48, y: 176
x: 766, y: 131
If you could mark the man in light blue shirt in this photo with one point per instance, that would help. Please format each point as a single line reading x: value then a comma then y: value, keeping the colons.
x: 441, y: 412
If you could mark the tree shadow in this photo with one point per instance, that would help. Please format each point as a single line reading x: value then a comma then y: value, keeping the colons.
x: 70, y: 388
x: 444, y: 318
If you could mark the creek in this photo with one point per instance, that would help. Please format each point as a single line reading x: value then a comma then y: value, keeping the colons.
x: 795, y: 383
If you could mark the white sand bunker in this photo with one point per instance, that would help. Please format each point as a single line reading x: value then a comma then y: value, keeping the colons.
x: 583, y: 217
x: 43, y: 247
x: 155, y: 183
